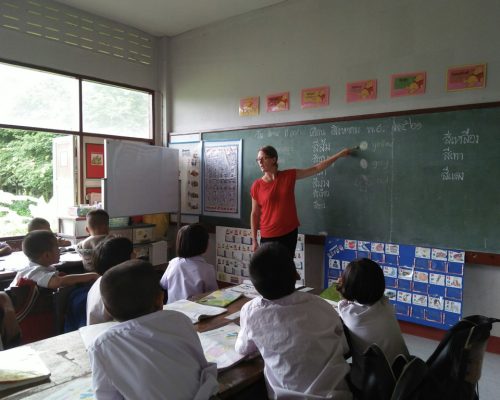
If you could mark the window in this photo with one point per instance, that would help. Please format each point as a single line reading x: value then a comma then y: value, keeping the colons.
x: 38, y: 99
x: 26, y: 179
x: 116, y: 111
x: 39, y: 171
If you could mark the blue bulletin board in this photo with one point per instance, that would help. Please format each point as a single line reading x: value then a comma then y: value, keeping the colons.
x: 424, y: 284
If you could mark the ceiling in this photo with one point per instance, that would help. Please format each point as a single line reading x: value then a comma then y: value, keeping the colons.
x: 167, y: 17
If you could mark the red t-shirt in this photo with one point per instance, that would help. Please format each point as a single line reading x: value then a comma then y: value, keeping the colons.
x: 278, y: 213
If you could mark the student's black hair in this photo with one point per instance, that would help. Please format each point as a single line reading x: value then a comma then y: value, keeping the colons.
x: 110, y: 252
x: 130, y: 289
x: 38, y: 242
x: 272, y: 271
x: 38, y: 223
x: 97, y: 218
x: 362, y: 281
x: 192, y: 240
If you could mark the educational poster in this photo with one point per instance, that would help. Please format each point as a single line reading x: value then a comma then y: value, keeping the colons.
x: 315, y: 97
x: 408, y: 84
x: 94, y: 161
x: 466, y: 77
x: 234, y: 250
x: 278, y: 102
x: 222, y: 178
x: 424, y: 284
x: 190, y: 176
x: 249, y: 106
x: 361, y: 91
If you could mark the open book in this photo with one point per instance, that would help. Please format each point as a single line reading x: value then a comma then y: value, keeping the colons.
x: 218, y: 346
x: 21, y: 366
x: 220, y: 298
x: 193, y: 310
x: 247, y: 289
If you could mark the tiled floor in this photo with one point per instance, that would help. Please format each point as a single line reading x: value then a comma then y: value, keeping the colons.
x: 489, y: 384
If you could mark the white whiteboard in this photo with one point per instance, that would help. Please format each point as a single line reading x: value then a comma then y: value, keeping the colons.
x: 140, y: 179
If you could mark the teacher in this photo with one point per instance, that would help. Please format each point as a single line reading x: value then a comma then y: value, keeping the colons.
x: 273, y: 198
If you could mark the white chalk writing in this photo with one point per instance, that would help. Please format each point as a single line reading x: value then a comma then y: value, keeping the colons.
x: 447, y: 175
x: 465, y: 137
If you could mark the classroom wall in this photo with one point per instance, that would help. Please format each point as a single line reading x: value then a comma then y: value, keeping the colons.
x: 21, y: 47
x: 307, y: 43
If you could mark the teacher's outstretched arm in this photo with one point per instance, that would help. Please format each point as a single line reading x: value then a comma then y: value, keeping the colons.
x: 254, y: 223
x: 317, y: 168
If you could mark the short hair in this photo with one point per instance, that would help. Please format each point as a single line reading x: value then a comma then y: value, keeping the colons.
x: 110, y: 252
x: 38, y: 242
x: 130, y: 289
x: 192, y: 240
x: 362, y: 281
x: 38, y: 224
x: 272, y: 271
x: 269, y: 151
x: 97, y: 219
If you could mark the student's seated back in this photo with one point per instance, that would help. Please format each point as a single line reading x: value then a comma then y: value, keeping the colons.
x: 98, y: 229
x: 299, y: 335
x: 189, y: 274
x: 41, y: 224
x: 151, y: 354
x: 41, y: 249
x: 108, y: 253
x: 368, y: 315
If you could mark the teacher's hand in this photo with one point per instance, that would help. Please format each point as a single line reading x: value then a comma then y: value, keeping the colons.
x: 255, y: 245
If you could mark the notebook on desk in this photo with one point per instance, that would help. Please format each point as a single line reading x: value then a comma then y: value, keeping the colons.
x: 193, y: 310
x: 220, y: 298
x: 21, y: 366
x: 218, y: 346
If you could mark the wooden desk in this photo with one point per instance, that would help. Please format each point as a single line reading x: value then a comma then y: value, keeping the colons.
x: 67, y: 360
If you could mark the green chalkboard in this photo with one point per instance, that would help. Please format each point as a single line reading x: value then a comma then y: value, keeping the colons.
x: 427, y: 178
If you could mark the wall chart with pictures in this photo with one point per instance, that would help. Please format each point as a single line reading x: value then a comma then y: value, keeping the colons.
x: 234, y: 250
x: 425, y: 284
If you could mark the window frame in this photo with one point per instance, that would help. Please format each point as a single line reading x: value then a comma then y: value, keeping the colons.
x: 80, y: 133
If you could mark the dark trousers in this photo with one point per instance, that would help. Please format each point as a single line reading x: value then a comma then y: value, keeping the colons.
x: 289, y: 240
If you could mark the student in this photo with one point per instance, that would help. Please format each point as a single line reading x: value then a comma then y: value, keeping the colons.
x: 151, y: 354
x: 10, y: 334
x: 189, y: 274
x: 5, y: 249
x: 368, y: 315
x: 299, y: 335
x: 98, y: 228
x: 41, y: 224
x: 41, y: 249
x: 107, y: 254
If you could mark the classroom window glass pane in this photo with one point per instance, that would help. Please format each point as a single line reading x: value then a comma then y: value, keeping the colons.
x: 38, y: 99
x: 115, y: 111
x: 37, y: 178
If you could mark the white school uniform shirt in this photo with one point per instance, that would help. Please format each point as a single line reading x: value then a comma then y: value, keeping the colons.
x: 186, y: 277
x: 37, y: 273
x: 369, y: 324
x: 156, y: 356
x: 96, y: 313
x: 302, y: 342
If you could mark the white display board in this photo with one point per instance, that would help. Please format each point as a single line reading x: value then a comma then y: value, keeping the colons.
x: 140, y: 179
